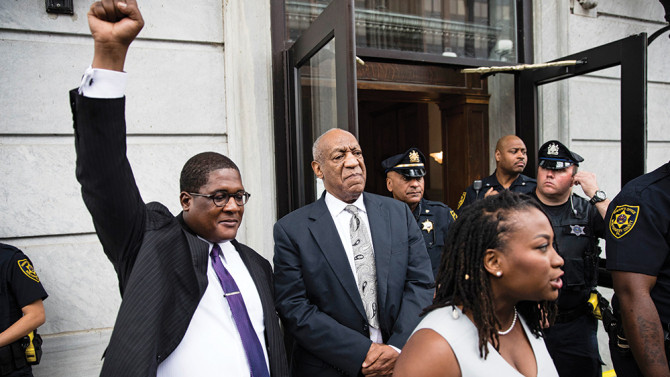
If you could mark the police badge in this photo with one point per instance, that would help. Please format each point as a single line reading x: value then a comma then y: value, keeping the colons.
x: 577, y: 230
x: 552, y: 149
x: 414, y: 156
x: 427, y: 226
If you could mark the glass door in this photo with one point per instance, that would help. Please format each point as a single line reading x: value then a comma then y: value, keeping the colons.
x: 630, y: 54
x: 322, y: 90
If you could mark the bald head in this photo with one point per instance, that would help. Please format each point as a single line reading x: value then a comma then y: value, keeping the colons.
x: 510, y: 155
x: 338, y: 161
x: 506, y: 140
x: 317, y: 147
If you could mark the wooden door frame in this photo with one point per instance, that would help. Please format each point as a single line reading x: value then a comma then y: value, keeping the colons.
x: 286, y: 176
x: 466, y: 152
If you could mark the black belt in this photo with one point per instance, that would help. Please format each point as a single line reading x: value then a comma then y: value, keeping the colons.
x: 13, y: 357
x: 570, y: 315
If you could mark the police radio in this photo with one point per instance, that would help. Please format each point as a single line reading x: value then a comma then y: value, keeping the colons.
x: 477, y: 185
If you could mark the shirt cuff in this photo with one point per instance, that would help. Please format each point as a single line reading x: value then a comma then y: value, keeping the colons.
x: 395, y: 348
x: 103, y: 83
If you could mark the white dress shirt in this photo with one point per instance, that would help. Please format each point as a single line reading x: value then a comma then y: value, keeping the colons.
x: 103, y: 83
x: 341, y: 219
x: 212, y: 344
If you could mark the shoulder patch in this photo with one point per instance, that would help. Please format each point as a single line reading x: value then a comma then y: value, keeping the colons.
x: 623, y: 220
x: 453, y: 214
x: 460, y: 202
x: 28, y: 269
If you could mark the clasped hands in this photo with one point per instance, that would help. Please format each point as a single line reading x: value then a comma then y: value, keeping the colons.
x: 380, y: 360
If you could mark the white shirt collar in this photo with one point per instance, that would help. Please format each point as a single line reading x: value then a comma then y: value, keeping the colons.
x: 223, y: 245
x: 336, y: 206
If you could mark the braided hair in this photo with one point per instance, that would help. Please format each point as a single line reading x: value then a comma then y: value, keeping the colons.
x: 462, y: 279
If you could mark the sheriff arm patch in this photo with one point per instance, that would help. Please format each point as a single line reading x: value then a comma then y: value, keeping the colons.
x: 623, y: 219
x: 460, y: 202
x: 28, y: 269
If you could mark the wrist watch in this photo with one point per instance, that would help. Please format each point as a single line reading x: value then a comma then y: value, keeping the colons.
x: 598, y: 197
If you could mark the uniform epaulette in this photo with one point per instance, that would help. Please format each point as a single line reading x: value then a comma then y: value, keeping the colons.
x: 436, y: 203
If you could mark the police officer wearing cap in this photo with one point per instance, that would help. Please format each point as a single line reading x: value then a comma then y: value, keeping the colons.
x: 21, y: 310
x: 511, y: 159
x: 638, y: 255
x: 404, y: 179
x: 577, y: 224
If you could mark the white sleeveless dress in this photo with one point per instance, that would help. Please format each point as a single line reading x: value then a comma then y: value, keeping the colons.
x: 462, y: 336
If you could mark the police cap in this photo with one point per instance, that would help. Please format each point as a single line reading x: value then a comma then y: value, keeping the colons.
x: 553, y: 155
x: 409, y: 164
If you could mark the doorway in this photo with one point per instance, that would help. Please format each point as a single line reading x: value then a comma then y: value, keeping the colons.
x: 433, y: 107
x: 389, y: 127
x: 427, y: 103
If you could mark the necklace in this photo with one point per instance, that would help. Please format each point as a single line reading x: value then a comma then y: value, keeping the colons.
x: 510, y: 326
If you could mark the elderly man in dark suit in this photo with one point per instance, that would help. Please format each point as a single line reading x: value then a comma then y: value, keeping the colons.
x: 195, y: 301
x: 351, y: 270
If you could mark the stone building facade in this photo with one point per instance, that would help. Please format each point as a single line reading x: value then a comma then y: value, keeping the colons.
x: 201, y: 79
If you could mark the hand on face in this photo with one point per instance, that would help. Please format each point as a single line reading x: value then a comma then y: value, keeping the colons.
x: 588, y: 182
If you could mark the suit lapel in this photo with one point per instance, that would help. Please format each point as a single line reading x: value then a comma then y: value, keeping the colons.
x: 199, y: 257
x: 380, y: 230
x: 273, y: 335
x: 260, y: 281
x: 325, y: 233
x: 199, y: 250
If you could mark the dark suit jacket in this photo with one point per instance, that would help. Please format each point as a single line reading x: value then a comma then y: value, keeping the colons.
x: 316, y: 293
x: 160, y: 263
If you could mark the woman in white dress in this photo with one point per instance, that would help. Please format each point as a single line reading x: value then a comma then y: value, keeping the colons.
x: 498, y: 279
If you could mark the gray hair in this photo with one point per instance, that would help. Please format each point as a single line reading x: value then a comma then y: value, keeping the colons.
x: 317, y: 152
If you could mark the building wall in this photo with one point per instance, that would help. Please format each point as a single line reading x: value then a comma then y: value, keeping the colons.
x: 585, y: 111
x: 199, y: 79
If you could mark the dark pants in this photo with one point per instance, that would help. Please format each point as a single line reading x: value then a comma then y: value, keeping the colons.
x: 21, y: 372
x: 624, y: 362
x: 573, y: 346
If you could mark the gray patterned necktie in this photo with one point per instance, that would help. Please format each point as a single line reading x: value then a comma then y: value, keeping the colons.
x: 364, y: 260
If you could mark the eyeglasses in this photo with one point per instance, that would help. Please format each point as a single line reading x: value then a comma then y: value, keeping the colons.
x: 220, y: 199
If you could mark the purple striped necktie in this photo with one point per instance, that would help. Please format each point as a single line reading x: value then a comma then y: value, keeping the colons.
x: 250, y: 342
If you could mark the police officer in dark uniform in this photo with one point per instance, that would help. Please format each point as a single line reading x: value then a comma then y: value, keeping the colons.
x: 511, y: 159
x: 577, y: 224
x: 21, y: 310
x: 404, y: 179
x: 638, y: 255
